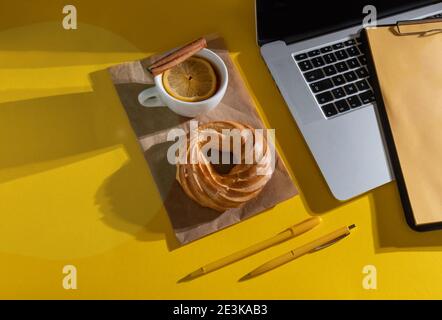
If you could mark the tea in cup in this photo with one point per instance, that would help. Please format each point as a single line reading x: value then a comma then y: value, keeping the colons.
x: 190, y: 88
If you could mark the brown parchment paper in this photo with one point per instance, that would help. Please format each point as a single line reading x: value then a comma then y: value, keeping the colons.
x: 151, y: 125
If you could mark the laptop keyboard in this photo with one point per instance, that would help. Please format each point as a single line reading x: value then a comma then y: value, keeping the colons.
x: 337, y: 75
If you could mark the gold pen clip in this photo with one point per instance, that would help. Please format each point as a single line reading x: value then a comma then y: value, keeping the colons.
x: 419, y: 27
x: 332, y: 242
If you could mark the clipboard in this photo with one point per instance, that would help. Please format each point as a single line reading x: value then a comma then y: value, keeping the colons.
x: 405, y: 61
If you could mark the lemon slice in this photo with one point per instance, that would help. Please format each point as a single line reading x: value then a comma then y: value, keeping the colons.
x: 192, y: 80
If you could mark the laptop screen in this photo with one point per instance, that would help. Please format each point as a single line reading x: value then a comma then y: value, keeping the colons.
x: 291, y: 20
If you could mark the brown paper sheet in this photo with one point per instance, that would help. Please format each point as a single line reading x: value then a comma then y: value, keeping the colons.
x: 151, y: 125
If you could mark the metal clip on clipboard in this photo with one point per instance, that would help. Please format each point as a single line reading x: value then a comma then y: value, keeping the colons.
x: 422, y: 27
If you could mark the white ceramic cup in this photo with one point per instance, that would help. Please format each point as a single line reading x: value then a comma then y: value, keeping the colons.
x: 157, y: 96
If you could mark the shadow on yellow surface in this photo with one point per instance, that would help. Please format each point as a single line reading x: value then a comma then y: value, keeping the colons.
x: 46, y: 129
x: 129, y: 196
x: 46, y: 133
x: 91, y: 45
x: 391, y: 232
x: 149, y: 24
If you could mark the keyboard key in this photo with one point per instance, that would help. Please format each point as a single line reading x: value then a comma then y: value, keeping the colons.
x: 362, y: 85
x: 338, y: 46
x: 338, y: 80
x: 329, y: 110
x: 329, y: 70
x: 342, y: 105
x: 329, y: 58
x: 318, y: 62
x: 326, y: 49
x: 366, y: 97
x: 353, y: 51
x: 314, y: 53
x: 354, y: 102
x: 341, y: 54
x: 350, y: 42
x: 321, y: 85
x: 362, y: 60
x: 338, y: 93
x: 305, y: 65
x: 358, y: 40
x: 301, y: 56
x: 341, y: 66
x: 350, y: 76
x: 324, y: 97
x: 314, y: 75
x: 350, y: 89
x: 362, y: 72
x: 353, y: 63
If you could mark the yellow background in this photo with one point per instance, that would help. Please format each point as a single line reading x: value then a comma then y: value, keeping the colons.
x: 74, y: 188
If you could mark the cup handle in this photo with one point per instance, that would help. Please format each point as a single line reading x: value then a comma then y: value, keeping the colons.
x: 150, y: 98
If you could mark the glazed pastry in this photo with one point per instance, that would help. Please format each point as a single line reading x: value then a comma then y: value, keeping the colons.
x: 202, y: 183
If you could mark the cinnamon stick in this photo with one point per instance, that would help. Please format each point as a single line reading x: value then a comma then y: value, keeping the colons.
x: 176, y: 57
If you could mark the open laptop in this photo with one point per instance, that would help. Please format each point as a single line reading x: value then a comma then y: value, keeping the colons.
x: 315, y: 57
